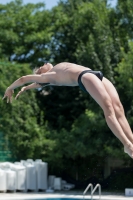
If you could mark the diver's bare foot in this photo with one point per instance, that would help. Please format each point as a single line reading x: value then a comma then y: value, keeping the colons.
x: 129, y: 149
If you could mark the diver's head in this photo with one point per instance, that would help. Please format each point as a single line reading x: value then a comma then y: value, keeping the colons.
x: 43, y: 69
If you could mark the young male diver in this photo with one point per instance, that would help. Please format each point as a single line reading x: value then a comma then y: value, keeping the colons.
x: 93, y: 82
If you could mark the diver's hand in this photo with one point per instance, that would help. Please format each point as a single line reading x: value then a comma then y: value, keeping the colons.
x: 8, y: 94
x: 20, y: 92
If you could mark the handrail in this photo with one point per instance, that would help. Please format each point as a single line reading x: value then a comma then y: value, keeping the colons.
x: 92, y: 190
x: 90, y: 185
x: 98, y: 185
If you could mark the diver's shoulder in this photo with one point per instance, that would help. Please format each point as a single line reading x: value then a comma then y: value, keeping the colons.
x: 61, y: 63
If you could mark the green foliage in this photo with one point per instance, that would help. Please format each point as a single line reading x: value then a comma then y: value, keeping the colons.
x: 124, y: 80
x: 83, y: 35
x: 22, y: 121
x: 125, y: 70
x: 88, y: 141
x: 66, y: 127
x: 125, y: 13
x: 25, y: 32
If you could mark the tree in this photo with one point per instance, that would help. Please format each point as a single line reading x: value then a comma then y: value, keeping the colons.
x: 125, y: 80
x: 83, y: 35
x: 22, y: 121
x: 25, y: 32
x: 124, y: 13
x: 71, y: 123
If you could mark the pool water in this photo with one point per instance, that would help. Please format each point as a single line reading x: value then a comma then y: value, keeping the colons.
x: 56, y: 199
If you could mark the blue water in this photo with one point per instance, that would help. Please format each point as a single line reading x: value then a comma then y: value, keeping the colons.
x: 54, y: 199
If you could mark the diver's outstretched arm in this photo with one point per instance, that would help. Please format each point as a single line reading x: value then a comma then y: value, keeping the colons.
x: 28, y: 87
x: 21, y: 81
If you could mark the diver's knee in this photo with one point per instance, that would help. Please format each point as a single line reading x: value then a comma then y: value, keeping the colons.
x: 108, y: 108
x: 119, y: 110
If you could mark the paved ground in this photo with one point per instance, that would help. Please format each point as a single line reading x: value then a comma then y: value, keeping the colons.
x: 62, y: 194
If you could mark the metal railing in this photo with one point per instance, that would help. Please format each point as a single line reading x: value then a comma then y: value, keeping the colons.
x: 92, y: 190
x: 97, y: 186
x: 89, y: 186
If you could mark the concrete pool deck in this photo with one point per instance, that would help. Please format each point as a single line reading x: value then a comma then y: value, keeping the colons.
x: 62, y: 194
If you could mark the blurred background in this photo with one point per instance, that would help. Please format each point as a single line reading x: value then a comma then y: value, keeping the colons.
x: 64, y: 126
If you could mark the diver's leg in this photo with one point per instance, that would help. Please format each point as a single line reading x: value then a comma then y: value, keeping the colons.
x: 97, y: 90
x: 119, y: 111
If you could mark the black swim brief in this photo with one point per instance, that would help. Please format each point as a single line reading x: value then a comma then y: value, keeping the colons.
x: 99, y: 74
